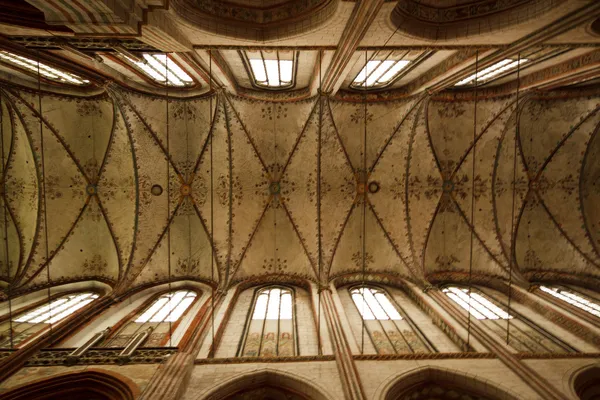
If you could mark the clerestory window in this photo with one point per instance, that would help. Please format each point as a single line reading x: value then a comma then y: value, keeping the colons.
x: 32, y: 67
x: 163, y: 316
x: 524, y: 335
x: 161, y: 69
x: 271, y: 69
x: 491, y: 72
x: 390, y: 331
x: 27, y: 325
x: 573, y: 298
x: 379, y: 73
x: 271, y: 327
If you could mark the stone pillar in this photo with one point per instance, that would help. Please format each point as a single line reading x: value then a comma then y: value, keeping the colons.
x: 343, y: 356
x: 544, y: 388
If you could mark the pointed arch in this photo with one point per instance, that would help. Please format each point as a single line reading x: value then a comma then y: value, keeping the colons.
x: 96, y: 383
x: 267, y: 377
x: 397, y: 387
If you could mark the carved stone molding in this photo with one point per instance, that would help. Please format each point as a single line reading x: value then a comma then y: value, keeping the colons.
x: 98, y: 356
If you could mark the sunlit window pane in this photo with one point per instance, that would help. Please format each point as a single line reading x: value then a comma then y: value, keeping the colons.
x: 273, y: 72
x: 476, y: 304
x: 260, y: 309
x: 378, y: 73
x: 163, y: 69
x: 286, y: 306
x: 45, y: 70
x: 168, y: 308
x: 258, y: 69
x: 179, y: 309
x: 41, y: 310
x: 393, y: 71
x: 366, y: 70
x: 376, y: 304
x: 492, y: 71
x: 390, y: 310
x: 362, y: 306
x: 58, y: 309
x: 271, y: 69
x: 158, y: 304
x: 286, y: 70
x: 574, y: 299
x: 273, y: 307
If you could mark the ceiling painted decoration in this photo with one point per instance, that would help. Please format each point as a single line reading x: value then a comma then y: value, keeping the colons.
x: 132, y: 189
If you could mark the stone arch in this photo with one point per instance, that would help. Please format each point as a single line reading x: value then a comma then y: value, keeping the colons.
x: 93, y: 383
x: 396, y: 387
x: 289, y: 382
x: 585, y: 382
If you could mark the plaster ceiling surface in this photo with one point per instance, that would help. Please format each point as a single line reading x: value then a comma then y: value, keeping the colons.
x: 254, y: 189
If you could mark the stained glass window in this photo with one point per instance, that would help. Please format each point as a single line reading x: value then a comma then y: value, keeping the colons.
x: 46, y: 71
x: 162, y: 316
x: 573, y: 298
x: 524, y: 335
x: 270, y: 330
x: 271, y: 69
x: 162, y: 69
x: 26, y: 326
x: 390, y: 332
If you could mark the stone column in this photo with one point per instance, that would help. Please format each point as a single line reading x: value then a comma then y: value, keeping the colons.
x: 343, y: 356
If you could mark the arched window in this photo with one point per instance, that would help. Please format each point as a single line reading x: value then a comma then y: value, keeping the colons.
x: 388, y: 326
x: 271, y: 326
x: 524, y: 335
x: 28, y: 324
x: 162, y: 316
x: 574, y: 298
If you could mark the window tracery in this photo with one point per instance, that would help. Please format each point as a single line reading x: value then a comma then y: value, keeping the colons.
x: 390, y: 329
x: 271, y: 326
x: 161, y: 316
x: 524, y: 335
x: 26, y: 325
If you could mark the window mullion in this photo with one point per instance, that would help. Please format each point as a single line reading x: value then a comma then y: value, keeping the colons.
x: 278, y: 323
x: 262, y: 57
x: 278, y: 70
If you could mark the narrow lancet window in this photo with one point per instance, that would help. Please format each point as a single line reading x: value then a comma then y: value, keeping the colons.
x: 270, y: 330
x: 161, y: 69
x: 162, y: 317
x: 33, y: 67
x: 524, y: 335
x: 389, y: 328
x: 27, y: 325
x: 573, y: 298
x: 271, y: 69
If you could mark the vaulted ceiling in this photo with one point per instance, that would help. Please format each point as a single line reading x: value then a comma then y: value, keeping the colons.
x: 129, y: 189
x: 131, y: 183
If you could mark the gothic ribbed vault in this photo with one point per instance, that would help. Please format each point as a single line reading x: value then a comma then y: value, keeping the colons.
x: 277, y: 174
